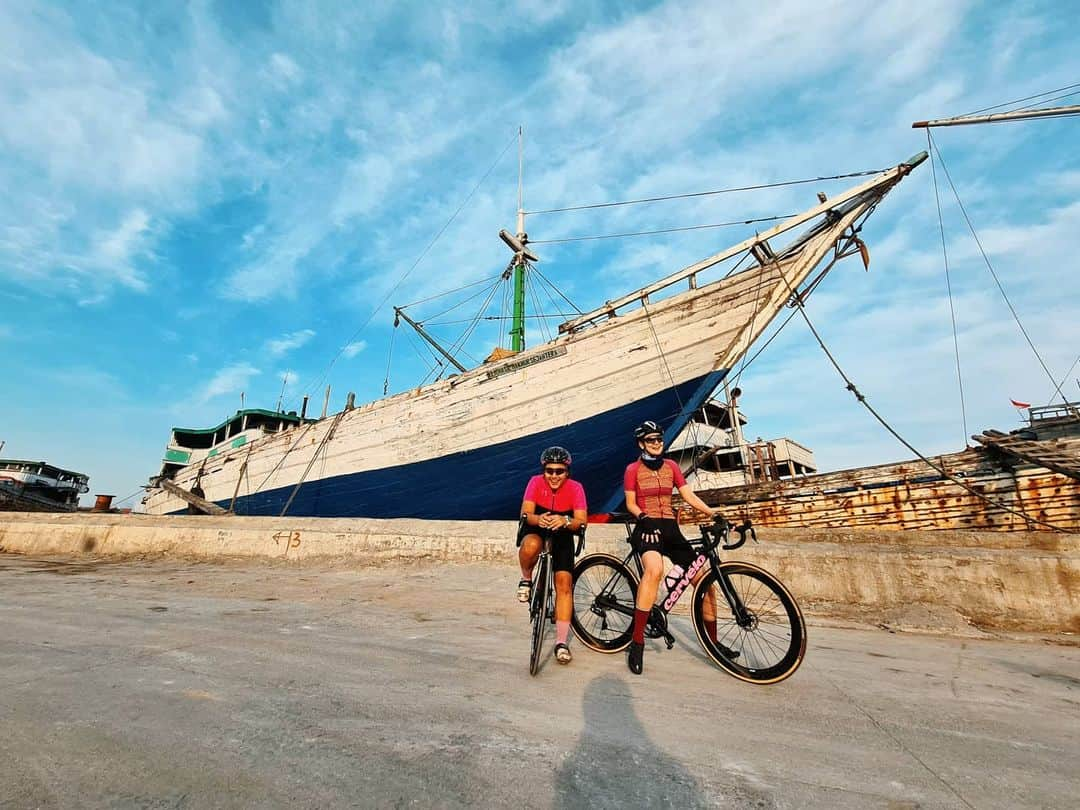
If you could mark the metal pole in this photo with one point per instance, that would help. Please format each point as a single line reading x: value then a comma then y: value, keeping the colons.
x: 420, y: 330
x: 517, y: 328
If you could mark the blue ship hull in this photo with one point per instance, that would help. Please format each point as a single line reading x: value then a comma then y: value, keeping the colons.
x: 487, y: 483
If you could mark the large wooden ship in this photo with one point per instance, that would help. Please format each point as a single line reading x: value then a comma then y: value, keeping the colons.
x: 448, y: 449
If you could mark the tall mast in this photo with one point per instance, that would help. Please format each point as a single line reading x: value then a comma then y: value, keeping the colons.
x: 517, y: 329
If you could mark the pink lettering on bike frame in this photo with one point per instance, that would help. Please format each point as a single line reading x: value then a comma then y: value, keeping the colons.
x: 674, y: 595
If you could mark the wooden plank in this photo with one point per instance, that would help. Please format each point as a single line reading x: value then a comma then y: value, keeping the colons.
x: 1045, y: 454
x: 207, y: 507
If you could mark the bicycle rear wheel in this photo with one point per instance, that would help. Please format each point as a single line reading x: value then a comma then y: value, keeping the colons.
x: 771, y: 638
x: 538, y: 610
x: 605, y: 591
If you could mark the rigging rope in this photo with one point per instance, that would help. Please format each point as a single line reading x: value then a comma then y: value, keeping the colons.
x: 129, y: 497
x: 490, y: 279
x: 531, y: 290
x: 311, y: 463
x: 753, y: 319
x: 420, y: 258
x: 389, y: 358
x: 661, y: 230
x: 862, y: 400
x: 284, y: 455
x: 1026, y: 98
x: 664, y: 363
x: 430, y: 319
x: 989, y: 266
x: 1065, y: 377
x: 705, y: 193
x: 948, y: 285
x: 557, y: 290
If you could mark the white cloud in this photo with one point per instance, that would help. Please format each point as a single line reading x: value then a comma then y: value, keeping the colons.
x: 354, y: 348
x: 284, y: 69
x: 229, y: 380
x: 115, y: 250
x: 288, y: 342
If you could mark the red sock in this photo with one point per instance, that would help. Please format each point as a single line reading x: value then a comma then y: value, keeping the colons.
x: 710, y: 629
x: 640, y: 618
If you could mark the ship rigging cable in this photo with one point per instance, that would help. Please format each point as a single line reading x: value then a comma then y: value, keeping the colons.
x: 659, y: 230
x: 881, y: 420
x: 990, y: 266
x: 1029, y: 98
x: 311, y: 463
x: 948, y: 286
x: 705, y: 193
x: 414, y: 265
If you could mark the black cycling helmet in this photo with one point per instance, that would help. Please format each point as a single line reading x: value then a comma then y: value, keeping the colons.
x: 556, y: 455
x: 647, y: 428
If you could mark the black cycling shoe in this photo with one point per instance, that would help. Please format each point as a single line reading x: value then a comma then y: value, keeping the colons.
x: 634, y: 659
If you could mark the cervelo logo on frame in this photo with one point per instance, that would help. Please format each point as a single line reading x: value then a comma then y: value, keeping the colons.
x: 677, y: 591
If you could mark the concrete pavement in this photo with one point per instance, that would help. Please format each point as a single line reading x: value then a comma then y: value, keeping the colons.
x: 248, y: 683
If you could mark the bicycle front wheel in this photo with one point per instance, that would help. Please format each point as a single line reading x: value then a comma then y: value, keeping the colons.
x: 605, y: 591
x: 760, y: 633
x: 538, y: 609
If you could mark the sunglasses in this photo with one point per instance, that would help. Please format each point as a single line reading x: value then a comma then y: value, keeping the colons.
x: 555, y: 471
x: 653, y: 440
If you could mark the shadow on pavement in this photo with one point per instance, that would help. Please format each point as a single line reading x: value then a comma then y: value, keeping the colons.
x: 616, y: 764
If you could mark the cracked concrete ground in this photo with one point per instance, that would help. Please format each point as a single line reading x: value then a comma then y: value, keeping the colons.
x: 172, y: 683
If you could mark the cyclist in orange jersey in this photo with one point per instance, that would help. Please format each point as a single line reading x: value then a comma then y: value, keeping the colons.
x: 648, y: 483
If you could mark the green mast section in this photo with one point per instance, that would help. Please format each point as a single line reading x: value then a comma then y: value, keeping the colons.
x: 517, y: 330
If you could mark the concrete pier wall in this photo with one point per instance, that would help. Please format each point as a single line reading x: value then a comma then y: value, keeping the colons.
x: 952, y: 580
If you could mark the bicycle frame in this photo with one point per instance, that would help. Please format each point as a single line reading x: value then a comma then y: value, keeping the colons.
x: 707, y: 553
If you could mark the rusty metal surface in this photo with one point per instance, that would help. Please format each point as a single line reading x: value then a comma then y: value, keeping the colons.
x: 912, y: 495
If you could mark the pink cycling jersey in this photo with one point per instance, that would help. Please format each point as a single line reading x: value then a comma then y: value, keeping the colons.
x: 566, y: 499
x: 652, y: 488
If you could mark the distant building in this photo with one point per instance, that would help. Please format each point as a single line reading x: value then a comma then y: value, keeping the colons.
x: 713, y: 452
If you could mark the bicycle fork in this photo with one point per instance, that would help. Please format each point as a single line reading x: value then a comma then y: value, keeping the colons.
x: 743, y: 617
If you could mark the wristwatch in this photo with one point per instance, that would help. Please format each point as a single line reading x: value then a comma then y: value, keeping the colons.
x: 569, y: 520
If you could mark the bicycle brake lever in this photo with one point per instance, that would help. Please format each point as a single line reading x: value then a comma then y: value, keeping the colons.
x: 743, y: 529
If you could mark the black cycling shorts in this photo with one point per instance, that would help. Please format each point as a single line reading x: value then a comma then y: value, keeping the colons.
x: 562, y: 546
x: 670, y: 543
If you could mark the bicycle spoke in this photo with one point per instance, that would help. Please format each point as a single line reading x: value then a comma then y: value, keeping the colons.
x: 603, y: 596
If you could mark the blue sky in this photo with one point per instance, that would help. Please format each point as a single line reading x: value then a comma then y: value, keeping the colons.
x: 200, y: 199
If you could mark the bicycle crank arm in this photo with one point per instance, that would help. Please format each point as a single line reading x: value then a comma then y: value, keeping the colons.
x: 658, y: 627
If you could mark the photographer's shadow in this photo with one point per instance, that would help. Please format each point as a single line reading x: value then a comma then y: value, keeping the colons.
x: 616, y: 764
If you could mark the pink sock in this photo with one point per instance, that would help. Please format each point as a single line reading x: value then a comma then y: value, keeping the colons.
x: 562, y: 631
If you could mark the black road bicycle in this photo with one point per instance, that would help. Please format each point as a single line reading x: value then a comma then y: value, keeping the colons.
x: 760, y: 638
x: 542, y: 600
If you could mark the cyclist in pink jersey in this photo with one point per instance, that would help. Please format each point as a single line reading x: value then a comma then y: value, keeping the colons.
x: 553, y: 504
x: 648, y: 483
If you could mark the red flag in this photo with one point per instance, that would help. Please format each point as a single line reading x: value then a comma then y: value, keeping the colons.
x: 1020, y: 404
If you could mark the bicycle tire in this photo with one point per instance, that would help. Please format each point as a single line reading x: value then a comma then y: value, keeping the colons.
x: 541, y: 594
x: 604, y: 593
x: 771, y: 646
